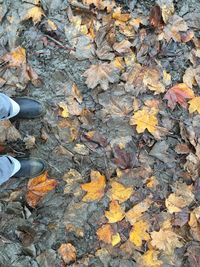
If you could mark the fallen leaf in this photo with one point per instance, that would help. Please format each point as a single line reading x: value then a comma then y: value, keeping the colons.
x: 165, y: 240
x: 145, y: 119
x: 63, y: 110
x: 166, y: 78
x: 178, y: 94
x: 122, y: 47
x: 115, y: 213
x: 94, y: 189
x: 115, y: 239
x: 35, y: 13
x: 67, y: 252
x: 101, y: 74
x: 124, y: 158
x: 193, y: 253
x: 194, y: 105
x: 117, y: 15
x: 101, y: 4
x: 52, y: 25
x: 182, y: 149
x: 194, y: 226
x: 151, y: 80
x: 16, y: 57
x: 152, y: 182
x: 187, y: 36
x: 150, y: 258
x: 155, y: 17
x: 139, y: 233
x: 119, y: 192
x: 135, y: 214
x: 105, y: 233
x: 167, y: 8
x: 38, y: 187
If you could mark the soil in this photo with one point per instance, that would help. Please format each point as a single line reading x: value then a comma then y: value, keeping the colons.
x: 31, y: 237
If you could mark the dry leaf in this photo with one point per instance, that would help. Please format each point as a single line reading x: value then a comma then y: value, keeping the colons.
x: 165, y: 240
x: 194, y: 105
x: 39, y: 187
x: 100, y: 74
x: 150, y: 258
x: 179, y: 93
x: 134, y: 214
x: 95, y: 189
x: 195, y: 226
x: 105, y: 233
x: 117, y: 15
x: 115, y: 239
x: 139, y: 233
x: 67, y: 252
x: 35, y: 13
x: 151, y: 80
x: 16, y: 57
x: 119, y: 192
x: 63, y: 110
x: 167, y: 8
x: 115, y: 213
x: 52, y: 25
x: 155, y: 17
x: 122, y: 47
x: 145, y: 119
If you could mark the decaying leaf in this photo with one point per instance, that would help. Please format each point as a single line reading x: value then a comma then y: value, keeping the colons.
x: 178, y: 94
x: 139, y: 233
x: 38, y: 187
x: 135, y: 214
x: 150, y: 258
x: 155, y: 17
x: 145, y: 119
x: 16, y: 58
x: 94, y: 189
x: 35, y: 13
x: 115, y: 213
x: 120, y: 192
x: 105, y: 233
x: 166, y: 240
x: 194, y: 105
x: 67, y: 252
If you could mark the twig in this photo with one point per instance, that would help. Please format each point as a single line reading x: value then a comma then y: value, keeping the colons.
x: 59, y: 43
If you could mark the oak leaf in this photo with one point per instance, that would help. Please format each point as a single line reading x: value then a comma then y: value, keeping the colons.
x: 35, y: 13
x: 135, y: 214
x: 179, y: 93
x: 94, y: 189
x: 101, y: 74
x: 139, y: 233
x: 120, y: 192
x: 165, y: 240
x: 115, y: 213
x: 105, y: 233
x: 39, y: 187
x: 150, y: 258
x: 67, y: 252
x: 194, y: 105
x: 145, y: 119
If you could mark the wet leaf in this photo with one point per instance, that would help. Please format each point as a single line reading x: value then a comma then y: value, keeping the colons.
x: 178, y: 94
x: 67, y: 252
x: 145, y: 119
x: 38, y: 187
x: 105, y: 233
x: 123, y: 158
x: 95, y: 188
x: 139, y: 233
x: 194, y: 105
x: 120, y: 192
x: 35, y: 13
x: 115, y: 213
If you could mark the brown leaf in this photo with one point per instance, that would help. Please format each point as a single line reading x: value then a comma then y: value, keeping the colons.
x: 123, y: 158
x: 155, y: 17
x: 193, y: 253
x: 67, y: 252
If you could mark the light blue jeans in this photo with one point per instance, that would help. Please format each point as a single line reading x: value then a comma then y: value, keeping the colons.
x: 6, y: 166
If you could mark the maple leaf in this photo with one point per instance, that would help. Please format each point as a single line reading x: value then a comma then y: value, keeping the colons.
x: 67, y: 252
x: 115, y: 214
x: 191, y: 76
x: 151, y: 80
x: 134, y: 214
x: 39, y: 187
x: 123, y: 158
x: 194, y: 105
x: 100, y: 74
x: 16, y: 58
x: 179, y: 93
x: 139, y: 233
x: 105, y: 233
x: 150, y: 258
x: 180, y: 199
x: 120, y: 192
x: 145, y: 119
x: 165, y: 240
x: 95, y: 189
x: 35, y: 13
x: 115, y: 239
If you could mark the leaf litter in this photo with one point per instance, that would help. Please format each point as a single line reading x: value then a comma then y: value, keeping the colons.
x: 120, y: 82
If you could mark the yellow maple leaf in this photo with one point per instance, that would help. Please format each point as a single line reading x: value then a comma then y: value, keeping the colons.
x: 194, y: 105
x: 35, y: 13
x: 16, y: 57
x: 120, y: 192
x: 115, y: 214
x: 165, y: 240
x: 150, y: 258
x: 95, y: 189
x: 145, y: 119
x: 136, y: 212
x: 115, y: 239
x: 139, y: 233
x: 63, y: 112
x: 105, y: 233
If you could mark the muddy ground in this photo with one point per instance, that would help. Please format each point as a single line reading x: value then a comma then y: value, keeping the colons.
x: 31, y: 237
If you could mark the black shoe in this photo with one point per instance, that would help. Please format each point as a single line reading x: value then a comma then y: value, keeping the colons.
x: 29, y: 108
x: 30, y: 167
